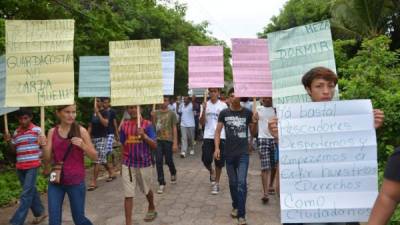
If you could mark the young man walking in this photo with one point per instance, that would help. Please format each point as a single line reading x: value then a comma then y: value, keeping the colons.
x: 187, y: 126
x: 27, y: 141
x: 167, y: 142
x: 266, y: 144
x: 236, y: 120
x: 209, y: 120
x: 137, y: 170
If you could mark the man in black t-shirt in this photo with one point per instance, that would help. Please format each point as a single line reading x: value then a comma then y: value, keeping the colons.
x: 112, y: 129
x: 98, y: 130
x: 236, y: 121
x: 389, y: 196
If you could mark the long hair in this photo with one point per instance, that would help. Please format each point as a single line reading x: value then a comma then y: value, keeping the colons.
x: 75, y: 130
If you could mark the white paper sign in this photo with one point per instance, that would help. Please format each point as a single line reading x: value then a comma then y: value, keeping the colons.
x: 4, y: 110
x: 168, y: 71
x: 328, y: 161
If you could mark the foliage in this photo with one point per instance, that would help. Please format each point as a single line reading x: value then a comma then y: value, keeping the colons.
x: 11, y: 188
x: 376, y: 68
x: 362, y: 18
x: 349, y: 18
x: 296, y: 13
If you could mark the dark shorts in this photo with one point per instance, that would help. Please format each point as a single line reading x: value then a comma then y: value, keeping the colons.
x: 208, y: 153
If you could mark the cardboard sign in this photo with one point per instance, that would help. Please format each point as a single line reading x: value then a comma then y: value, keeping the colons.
x: 39, y: 62
x: 136, y: 72
x: 295, y: 51
x: 206, y: 67
x: 94, y: 76
x: 251, y: 72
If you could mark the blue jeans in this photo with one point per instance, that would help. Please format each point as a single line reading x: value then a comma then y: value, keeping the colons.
x: 236, y: 168
x: 164, y: 148
x: 29, y: 197
x: 76, y: 195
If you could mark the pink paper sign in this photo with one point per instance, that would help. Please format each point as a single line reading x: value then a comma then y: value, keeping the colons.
x: 206, y: 66
x: 251, y: 69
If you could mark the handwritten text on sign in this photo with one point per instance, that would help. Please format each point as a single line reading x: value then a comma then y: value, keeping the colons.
x: 168, y: 71
x: 94, y: 76
x: 136, y: 72
x: 251, y: 72
x: 39, y: 62
x: 206, y: 66
x: 295, y: 51
x: 3, y: 110
x: 328, y: 164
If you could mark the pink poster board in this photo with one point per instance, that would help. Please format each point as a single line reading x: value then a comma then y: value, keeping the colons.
x: 206, y: 66
x: 251, y: 69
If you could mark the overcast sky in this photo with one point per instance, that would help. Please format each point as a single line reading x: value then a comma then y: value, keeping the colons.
x: 233, y: 18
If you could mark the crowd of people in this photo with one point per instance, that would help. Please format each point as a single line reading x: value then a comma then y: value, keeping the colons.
x: 228, y: 130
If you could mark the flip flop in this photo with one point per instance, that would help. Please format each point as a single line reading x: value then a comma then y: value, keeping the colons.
x: 109, y: 179
x: 39, y: 219
x: 271, y: 191
x: 265, y: 199
x: 150, y: 216
x: 92, y: 188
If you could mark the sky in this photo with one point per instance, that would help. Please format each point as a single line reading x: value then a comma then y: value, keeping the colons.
x: 233, y: 18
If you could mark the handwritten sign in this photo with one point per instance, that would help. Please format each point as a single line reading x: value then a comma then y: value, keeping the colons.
x: 39, y: 62
x: 251, y: 72
x: 328, y: 161
x: 168, y: 71
x: 292, y: 53
x: 136, y: 72
x: 206, y: 66
x: 94, y: 76
x: 3, y: 110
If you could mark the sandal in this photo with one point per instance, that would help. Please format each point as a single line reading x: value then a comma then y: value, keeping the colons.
x: 265, y: 199
x: 109, y: 179
x: 39, y: 219
x: 271, y: 191
x: 150, y: 216
x: 92, y: 188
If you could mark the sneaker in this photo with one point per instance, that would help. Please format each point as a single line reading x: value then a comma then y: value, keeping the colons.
x: 234, y: 213
x: 161, y: 189
x: 191, y: 152
x: 183, y: 155
x: 212, y: 177
x: 241, y: 221
x: 173, y: 179
x: 215, y: 189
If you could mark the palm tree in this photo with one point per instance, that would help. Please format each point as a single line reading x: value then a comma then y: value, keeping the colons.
x: 362, y: 18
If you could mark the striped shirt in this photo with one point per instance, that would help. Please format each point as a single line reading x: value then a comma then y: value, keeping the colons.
x: 136, y: 152
x: 26, y: 142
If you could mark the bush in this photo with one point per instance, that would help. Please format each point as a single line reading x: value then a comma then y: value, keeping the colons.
x: 11, y: 188
x: 374, y: 73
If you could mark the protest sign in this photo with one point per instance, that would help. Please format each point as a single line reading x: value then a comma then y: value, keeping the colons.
x: 251, y: 72
x: 136, y: 72
x: 94, y: 76
x: 39, y: 62
x: 328, y: 161
x: 295, y: 51
x: 206, y: 66
x: 168, y: 71
x: 3, y: 110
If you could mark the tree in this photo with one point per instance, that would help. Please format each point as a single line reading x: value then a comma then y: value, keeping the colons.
x: 362, y: 18
x: 296, y: 13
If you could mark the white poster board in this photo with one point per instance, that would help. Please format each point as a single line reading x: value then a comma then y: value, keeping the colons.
x: 328, y: 161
